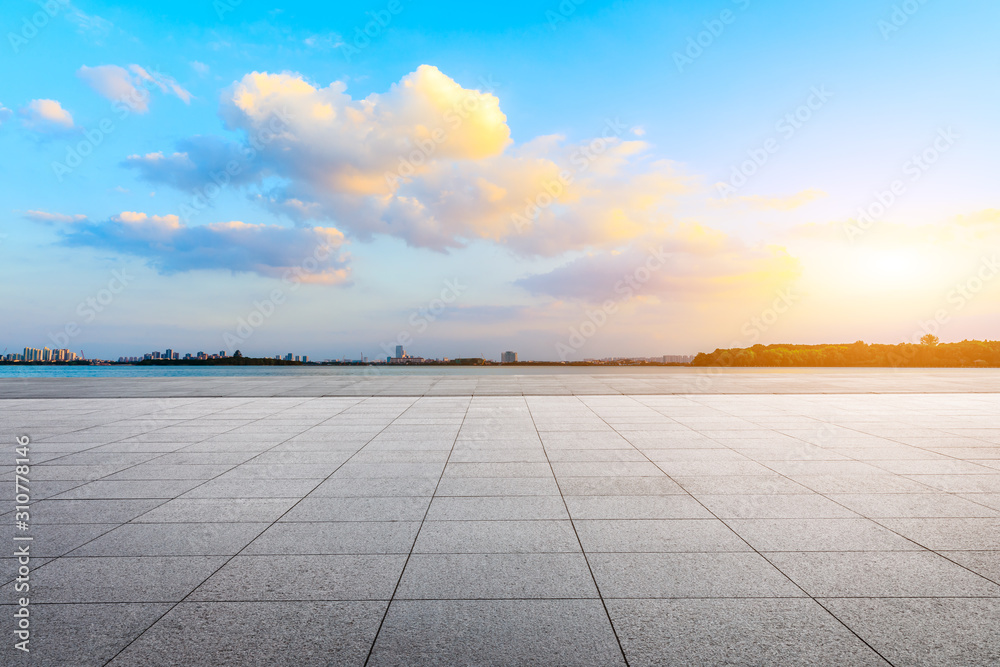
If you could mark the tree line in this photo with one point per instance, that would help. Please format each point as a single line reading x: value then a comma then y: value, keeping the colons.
x: 928, y: 353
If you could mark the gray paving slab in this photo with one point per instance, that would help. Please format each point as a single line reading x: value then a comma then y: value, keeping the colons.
x: 173, y: 539
x: 636, y: 507
x: 497, y: 537
x: 498, y: 486
x: 216, y: 510
x: 82, y: 635
x: 983, y: 563
x: 496, y: 632
x: 707, y: 520
x: 951, y: 533
x: 313, y: 577
x: 390, y: 508
x: 819, y: 535
x: 689, y: 575
x: 109, y: 490
x: 776, y: 506
x: 496, y: 576
x: 259, y: 634
x: 47, y: 512
x: 912, y: 505
x: 884, y: 574
x: 735, y: 632
x: 374, y: 487
x: 120, y: 579
x: 497, y: 508
x: 341, y: 537
x: 55, y: 540
x: 657, y: 535
x: 921, y: 631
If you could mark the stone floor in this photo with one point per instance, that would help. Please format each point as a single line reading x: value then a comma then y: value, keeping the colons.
x: 499, y: 381
x: 598, y: 530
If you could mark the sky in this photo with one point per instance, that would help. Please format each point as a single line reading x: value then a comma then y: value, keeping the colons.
x: 568, y: 180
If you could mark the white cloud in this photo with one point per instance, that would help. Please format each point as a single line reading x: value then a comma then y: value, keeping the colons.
x: 683, y: 263
x: 130, y: 86
x: 199, y: 67
x: 432, y: 162
x: 91, y: 25
x: 45, y: 216
x: 313, y: 254
x: 5, y: 113
x: 789, y: 203
x: 325, y: 42
x: 46, y: 116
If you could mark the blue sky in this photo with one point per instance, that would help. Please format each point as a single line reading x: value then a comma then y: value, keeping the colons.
x: 885, y: 81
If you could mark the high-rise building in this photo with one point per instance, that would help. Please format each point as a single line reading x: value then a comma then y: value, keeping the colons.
x: 677, y: 359
x: 288, y: 357
x: 508, y: 357
x: 400, y: 352
x: 305, y: 358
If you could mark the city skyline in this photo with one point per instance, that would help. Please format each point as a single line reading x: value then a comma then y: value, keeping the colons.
x: 577, y: 180
x: 49, y: 355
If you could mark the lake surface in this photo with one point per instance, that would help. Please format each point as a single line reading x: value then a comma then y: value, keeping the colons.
x: 19, y: 371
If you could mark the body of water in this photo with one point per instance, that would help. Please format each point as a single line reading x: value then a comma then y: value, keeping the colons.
x: 21, y: 371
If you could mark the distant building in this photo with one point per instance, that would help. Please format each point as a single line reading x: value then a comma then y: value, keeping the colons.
x: 400, y: 352
x: 677, y: 359
x: 405, y: 360
x: 288, y: 357
x: 305, y: 358
x: 508, y: 358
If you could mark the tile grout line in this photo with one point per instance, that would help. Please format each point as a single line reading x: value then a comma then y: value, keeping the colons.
x: 875, y: 520
x: 228, y: 560
x: 108, y: 532
x: 399, y: 580
x: 772, y: 564
x: 583, y: 552
x: 777, y: 569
